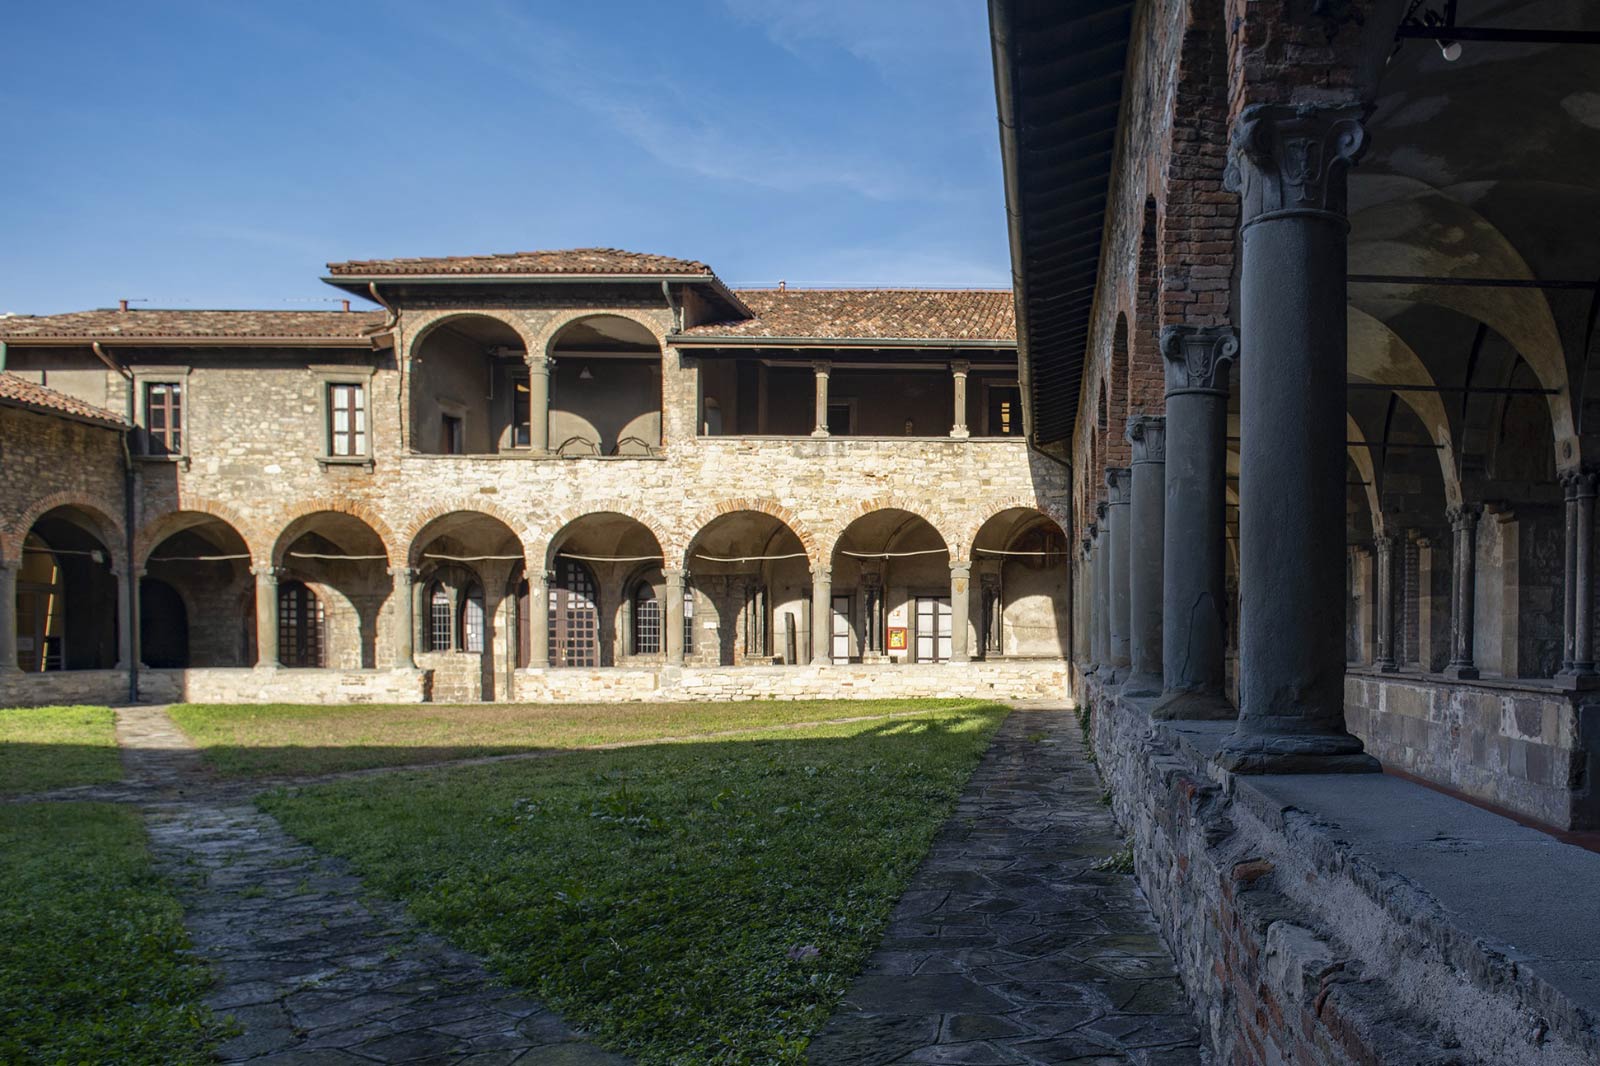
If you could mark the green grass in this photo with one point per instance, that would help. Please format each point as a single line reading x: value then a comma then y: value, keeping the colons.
x: 281, y: 739
x: 91, y: 944
x: 695, y: 904
x: 53, y: 747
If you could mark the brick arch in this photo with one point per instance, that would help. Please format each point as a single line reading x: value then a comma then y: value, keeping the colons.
x: 545, y: 337
x: 419, y: 332
x: 1016, y: 503
x: 353, y: 508
x: 759, y: 504
x: 940, y: 523
x: 153, y: 532
x: 565, y: 518
x: 462, y: 505
x: 110, y: 528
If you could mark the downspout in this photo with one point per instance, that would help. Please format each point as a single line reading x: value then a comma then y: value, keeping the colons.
x: 129, y: 495
x: 5, y: 353
x: 400, y: 364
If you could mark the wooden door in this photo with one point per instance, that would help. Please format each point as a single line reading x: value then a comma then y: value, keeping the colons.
x: 933, y: 629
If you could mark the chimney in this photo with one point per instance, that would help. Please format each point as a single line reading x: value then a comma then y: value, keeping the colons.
x: 782, y: 287
x: 122, y: 305
x: 346, y: 307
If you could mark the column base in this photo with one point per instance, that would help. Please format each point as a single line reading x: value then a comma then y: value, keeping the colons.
x: 1194, y: 707
x: 1142, y: 685
x: 1384, y: 667
x: 960, y: 433
x: 1461, y: 672
x: 819, y: 433
x: 1578, y: 679
x: 1296, y: 753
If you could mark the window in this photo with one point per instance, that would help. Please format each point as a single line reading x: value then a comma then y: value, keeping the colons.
x: 646, y: 621
x: 1005, y: 411
x: 299, y: 626
x: 521, y: 423
x: 347, y: 420
x: 688, y: 619
x: 451, y: 437
x: 472, y: 620
x: 163, y: 417
x: 440, y: 634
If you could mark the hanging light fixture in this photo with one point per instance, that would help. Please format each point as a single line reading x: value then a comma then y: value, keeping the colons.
x: 584, y: 374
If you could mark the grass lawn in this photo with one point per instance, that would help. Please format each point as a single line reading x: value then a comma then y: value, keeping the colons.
x: 692, y: 904
x: 52, y: 747
x: 91, y: 943
x: 276, y: 739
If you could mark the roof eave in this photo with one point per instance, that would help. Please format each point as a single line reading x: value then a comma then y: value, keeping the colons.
x: 358, y: 283
x: 377, y: 340
x: 111, y: 422
x: 683, y: 340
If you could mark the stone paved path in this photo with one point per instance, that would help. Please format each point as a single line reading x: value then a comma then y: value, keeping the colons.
x: 313, y: 971
x: 1009, y: 947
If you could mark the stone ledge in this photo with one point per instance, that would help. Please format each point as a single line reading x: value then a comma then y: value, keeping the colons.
x: 1329, y: 918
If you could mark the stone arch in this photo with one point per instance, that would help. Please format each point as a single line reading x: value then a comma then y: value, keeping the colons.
x: 552, y: 328
x: 895, y: 502
x: 995, y: 508
x: 410, y: 538
x: 425, y: 323
x: 685, y: 537
x: 570, y: 518
x: 164, y: 525
x: 310, y: 508
x: 109, y: 528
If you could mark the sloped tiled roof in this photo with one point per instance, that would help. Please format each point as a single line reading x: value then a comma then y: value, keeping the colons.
x: 20, y: 392
x: 871, y: 314
x: 565, y: 261
x: 113, y: 325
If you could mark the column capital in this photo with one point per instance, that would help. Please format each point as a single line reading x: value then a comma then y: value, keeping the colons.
x: 264, y: 571
x: 674, y: 575
x: 1383, y: 542
x: 960, y: 367
x: 539, y: 364
x: 1118, y: 481
x: 1101, y: 510
x: 964, y: 566
x: 1579, y: 484
x: 407, y: 573
x: 1088, y: 544
x: 10, y: 564
x: 1465, y: 517
x: 822, y: 367
x: 1288, y: 160
x: 822, y: 573
x: 1199, y: 358
x: 1148, y: 435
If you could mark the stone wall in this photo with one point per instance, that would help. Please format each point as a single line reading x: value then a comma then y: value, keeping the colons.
x: 65, y: 687
x: 1292, y: 949
x: 281, y: 686
x: 1530, y: 748
x: 47, y: 462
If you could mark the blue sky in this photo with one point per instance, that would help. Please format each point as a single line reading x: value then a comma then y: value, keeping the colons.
x: 218, y: 154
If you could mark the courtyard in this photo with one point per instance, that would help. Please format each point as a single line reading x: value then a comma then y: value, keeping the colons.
x: 687, y: 883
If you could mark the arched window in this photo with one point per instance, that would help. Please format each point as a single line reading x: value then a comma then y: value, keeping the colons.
x: 299, y: 626
x: 646, y: 620
x: 441, y: 635
x: 688, y: 618
x: 574, y: 616
x: 472, y: 620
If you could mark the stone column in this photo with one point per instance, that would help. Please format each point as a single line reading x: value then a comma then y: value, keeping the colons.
x: 672, y: 639
x: 266, y: 615
x: 958, y: 371
x: 1083, y: 589
x: 1118, y: 483
x: 822, y: 614
x: 1578, y: 664
x: 1385, y: 658
x: 405, y: 623
x: 539, y: 619
x: 1194, y: 595
x: 1463, y: 527
x: 539, y: 403
x: 8, y: 615
x: 127, y: 618
x: 822, y: 369
x: 1100, y: 608
x: 1289, y: 165
x: 1146, y: 515
x: 960, y: 609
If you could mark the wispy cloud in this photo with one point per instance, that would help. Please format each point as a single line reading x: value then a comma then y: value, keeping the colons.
x: 897, y: 36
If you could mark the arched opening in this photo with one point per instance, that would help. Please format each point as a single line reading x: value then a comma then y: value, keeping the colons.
x: 471, y: 579
x: 66, y: 605
x: 1020, y: 587
x: 752, y: 577
x: 199, y: 569
x: 342, y: 566
x: 469, y: 388
x: 599, y: 562
x: 891, y: 591
x: 605, y: 388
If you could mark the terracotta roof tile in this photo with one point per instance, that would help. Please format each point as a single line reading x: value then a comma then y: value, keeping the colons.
x: 565, y: 261
x: 872, y: 314
x: 193, y: 325
x: 20, y: 392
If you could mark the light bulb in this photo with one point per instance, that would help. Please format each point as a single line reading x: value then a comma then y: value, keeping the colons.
x: 1451, y: 50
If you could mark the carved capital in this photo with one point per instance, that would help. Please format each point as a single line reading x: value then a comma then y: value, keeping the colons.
x: 822, y: 573
x: 407, y: 574
x: 1384, y: 543
x: 1199, y: 358
x: 1101, y: 509
x: 822, y: 367
x: 1578, y: 485
x: 1464, y: 518
x: 267, y: 573
x: 673, y: 577
x: 1118, y: 481
x: 1148, y: 435
x: 1293, y: 160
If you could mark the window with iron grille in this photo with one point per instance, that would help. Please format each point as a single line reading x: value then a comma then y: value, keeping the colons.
x: 440, y: 634
x: 299, y: 626
x: 646, y: 621
x: 688, y: 619
x: 472, y: 621
x: 163, y: 417
x: 347, y: 420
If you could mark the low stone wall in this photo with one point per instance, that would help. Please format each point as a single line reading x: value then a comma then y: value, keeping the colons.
x: 1293, y: 949
x: 1008, y: 680
x: 245, y: 685
x: 1528, y: 748
x: 18, y: 689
